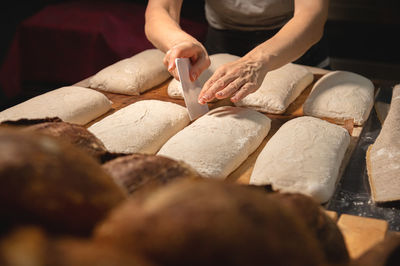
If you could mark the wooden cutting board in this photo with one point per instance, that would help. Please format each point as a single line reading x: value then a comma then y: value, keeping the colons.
x: 241, y: 174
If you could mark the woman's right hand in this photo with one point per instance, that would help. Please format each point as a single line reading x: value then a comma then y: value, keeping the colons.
x: 194, y: 51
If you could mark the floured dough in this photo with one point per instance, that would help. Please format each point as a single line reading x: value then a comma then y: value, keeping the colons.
x: 133, y: 75
x: 72, y: 104
x: 383, y: 157
x: 218, y: 142
x: 142, y: 127
x: 341, y: 95
x: 303, y: 156
x: 217, y: 60
x: 279, y: 89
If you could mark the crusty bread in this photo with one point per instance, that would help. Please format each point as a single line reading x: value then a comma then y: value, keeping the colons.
x: 32, y: 246
x: 383, y: 157
x: 209, y: 222
x: 52, y: 183
x: 137, y: 171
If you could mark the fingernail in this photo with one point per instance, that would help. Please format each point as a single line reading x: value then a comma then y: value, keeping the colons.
x: 220, y: 94
x: 170, y: 65
x: 194, y: 76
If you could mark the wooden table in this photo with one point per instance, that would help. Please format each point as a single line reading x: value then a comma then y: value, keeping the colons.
x: 360, y: 233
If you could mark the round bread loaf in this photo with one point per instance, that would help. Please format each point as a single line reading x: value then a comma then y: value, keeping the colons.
x: 77, y: 135
x: 49, y: 182
x: 323, y: 228
x: 138, y: 171
x: 31, y: 246
x: 207, y: 222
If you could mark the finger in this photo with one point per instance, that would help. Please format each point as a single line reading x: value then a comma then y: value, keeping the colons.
x: 202, y: 64
x: 230, y: 89
x: 218, y: 85
x: 209, y: 83
x: 245, y: 90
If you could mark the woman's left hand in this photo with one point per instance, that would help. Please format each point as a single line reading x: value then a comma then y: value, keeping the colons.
x: 235, y: 80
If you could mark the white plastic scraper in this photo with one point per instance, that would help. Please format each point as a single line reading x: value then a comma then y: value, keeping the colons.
x: 191, y: 90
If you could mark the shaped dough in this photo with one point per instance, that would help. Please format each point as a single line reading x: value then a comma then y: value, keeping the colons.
x: 218, y: 142
x: 279, y: 89
x: 341, y: 95
x: 142, y: 127
x: 133, y: 75
x: 72, y: 104
x: 303, y: 156
x: 383, y: 157
x: 217, y: 60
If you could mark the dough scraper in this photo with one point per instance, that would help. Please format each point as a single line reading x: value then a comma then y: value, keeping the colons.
x: 191, y: 90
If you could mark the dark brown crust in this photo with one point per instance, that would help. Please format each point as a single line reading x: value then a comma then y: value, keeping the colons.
x: 52, y: 183
x: 205, y: 222
x: 29, y: 122
x: 324, y: 229
x: 76, y: 135
x: 136, y: 171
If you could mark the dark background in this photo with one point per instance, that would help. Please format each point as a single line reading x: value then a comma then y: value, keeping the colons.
x: 361, y: 36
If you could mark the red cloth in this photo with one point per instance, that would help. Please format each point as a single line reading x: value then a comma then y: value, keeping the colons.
x: 68, y: 42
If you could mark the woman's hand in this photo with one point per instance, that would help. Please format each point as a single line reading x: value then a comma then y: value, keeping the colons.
x: 194, y: 51
x: 235, y: 80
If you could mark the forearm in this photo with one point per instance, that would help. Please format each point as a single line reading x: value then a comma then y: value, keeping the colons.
x: 162, y: 24
x: 294, y: 39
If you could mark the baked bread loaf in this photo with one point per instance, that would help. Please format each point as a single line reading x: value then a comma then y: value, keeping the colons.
x: 32, y: 246
x: 133, y: 75
x: 322, y: 227
x: 210, y: 222
x: 76, y: 135
x: 139, y: 171
x: 72, y: 104
x: 383, y: 157
x: 52, y: 183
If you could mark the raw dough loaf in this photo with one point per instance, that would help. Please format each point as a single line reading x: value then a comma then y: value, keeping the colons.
x: 133, y: 75
x: 303, y: 156
x: 341, y: 95
x: 142, y: 127
x: 217, y: 60
x: 279, y: 89
x: 383, y: 157
x: 72, y: 104
x: 218, y: 142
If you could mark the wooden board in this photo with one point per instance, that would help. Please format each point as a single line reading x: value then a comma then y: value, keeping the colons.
x: 243, y: 172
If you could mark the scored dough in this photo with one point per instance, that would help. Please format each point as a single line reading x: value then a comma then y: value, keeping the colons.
x: 142, y: 127
x: 303, y: 156
x: 279, y: 89
x: 341, y: 95
x: 217, y: 60
x: 133, y: 75
x: 72, y: 104
x: 383, y: 157
x: 218, y: 142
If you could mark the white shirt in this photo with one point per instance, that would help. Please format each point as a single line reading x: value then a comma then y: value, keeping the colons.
x: 248, y: 14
